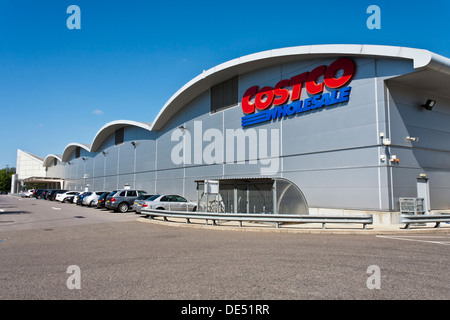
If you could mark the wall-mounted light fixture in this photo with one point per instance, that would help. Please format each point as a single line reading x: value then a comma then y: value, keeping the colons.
x: 84, y: 159
x: 69, y: 163
x: 104, y: 152
x: 133, y: 143
x: 394, y: 159
x: 182, y: 128
x: 414, y: 139
x: 385, y: 141
x: 429, y: 104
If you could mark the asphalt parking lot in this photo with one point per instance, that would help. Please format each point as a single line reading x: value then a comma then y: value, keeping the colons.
x: 120, y: 258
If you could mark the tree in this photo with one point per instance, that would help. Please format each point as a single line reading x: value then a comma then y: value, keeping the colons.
x: 5, y: 178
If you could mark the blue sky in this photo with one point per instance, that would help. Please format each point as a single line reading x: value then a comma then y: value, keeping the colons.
x: 59, y: 86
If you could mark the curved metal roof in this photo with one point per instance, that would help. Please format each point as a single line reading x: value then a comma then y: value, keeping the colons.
x: 101, y: 135
x: 71, y: 148
x: 421, y: 58
x: 111, y: 127
x: 48, y: 159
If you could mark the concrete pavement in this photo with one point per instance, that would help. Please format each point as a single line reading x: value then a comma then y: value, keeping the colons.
x: 124, y: 256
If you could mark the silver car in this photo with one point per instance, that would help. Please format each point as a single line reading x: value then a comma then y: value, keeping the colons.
x: 122, y: 200
x: 91, y: 200
x: 170, y: 202
x: 140, y: 200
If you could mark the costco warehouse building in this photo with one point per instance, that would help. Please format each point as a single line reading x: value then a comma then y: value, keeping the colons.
x: 330, y: 128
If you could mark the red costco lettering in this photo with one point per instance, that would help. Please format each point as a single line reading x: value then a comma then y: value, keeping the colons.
x: 296, y: 84
x: 268, y: 96
x: 264, y: 98
x: 282, y: 95
x: 349, y: 70
x: 248, y: 107
x: 311, y: 86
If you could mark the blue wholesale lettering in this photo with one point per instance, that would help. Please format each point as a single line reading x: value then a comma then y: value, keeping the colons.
x: 312, y: 103
x: 345, y: 94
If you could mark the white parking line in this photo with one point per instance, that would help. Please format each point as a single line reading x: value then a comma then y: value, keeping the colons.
x: 418, y: 239
x: 54, y: 208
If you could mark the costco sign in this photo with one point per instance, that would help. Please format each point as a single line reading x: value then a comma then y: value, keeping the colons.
x: 269, y: 103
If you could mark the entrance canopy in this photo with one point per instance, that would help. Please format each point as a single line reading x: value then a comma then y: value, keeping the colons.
x: 49, y: 182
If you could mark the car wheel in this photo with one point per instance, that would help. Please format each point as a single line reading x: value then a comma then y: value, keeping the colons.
x: 123, y: 207
x: 90, y: 203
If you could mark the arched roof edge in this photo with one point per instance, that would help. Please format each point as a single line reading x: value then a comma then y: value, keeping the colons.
x: 110, y: 127
x: 421, y: 58
x: 70, y: 147
x: 49, y: 158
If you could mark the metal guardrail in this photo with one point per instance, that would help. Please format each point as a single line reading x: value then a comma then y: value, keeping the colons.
x: 408, y: 219
x: 272, y: 218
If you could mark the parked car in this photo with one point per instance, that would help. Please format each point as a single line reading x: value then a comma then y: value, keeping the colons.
x: 37, y: 193
x: 64, y: 195
x: 81, y: 197
x: 72, y: 198
x: 170, y: 202
x: 102, y: 199
x: 42, y: 195
x: 52, y: 194
x: 76, y: 196
x: 91, y: 200
x: 26, y: 194
x: 48, y: 193
x: 137, y: 204
x: 122, y: 200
